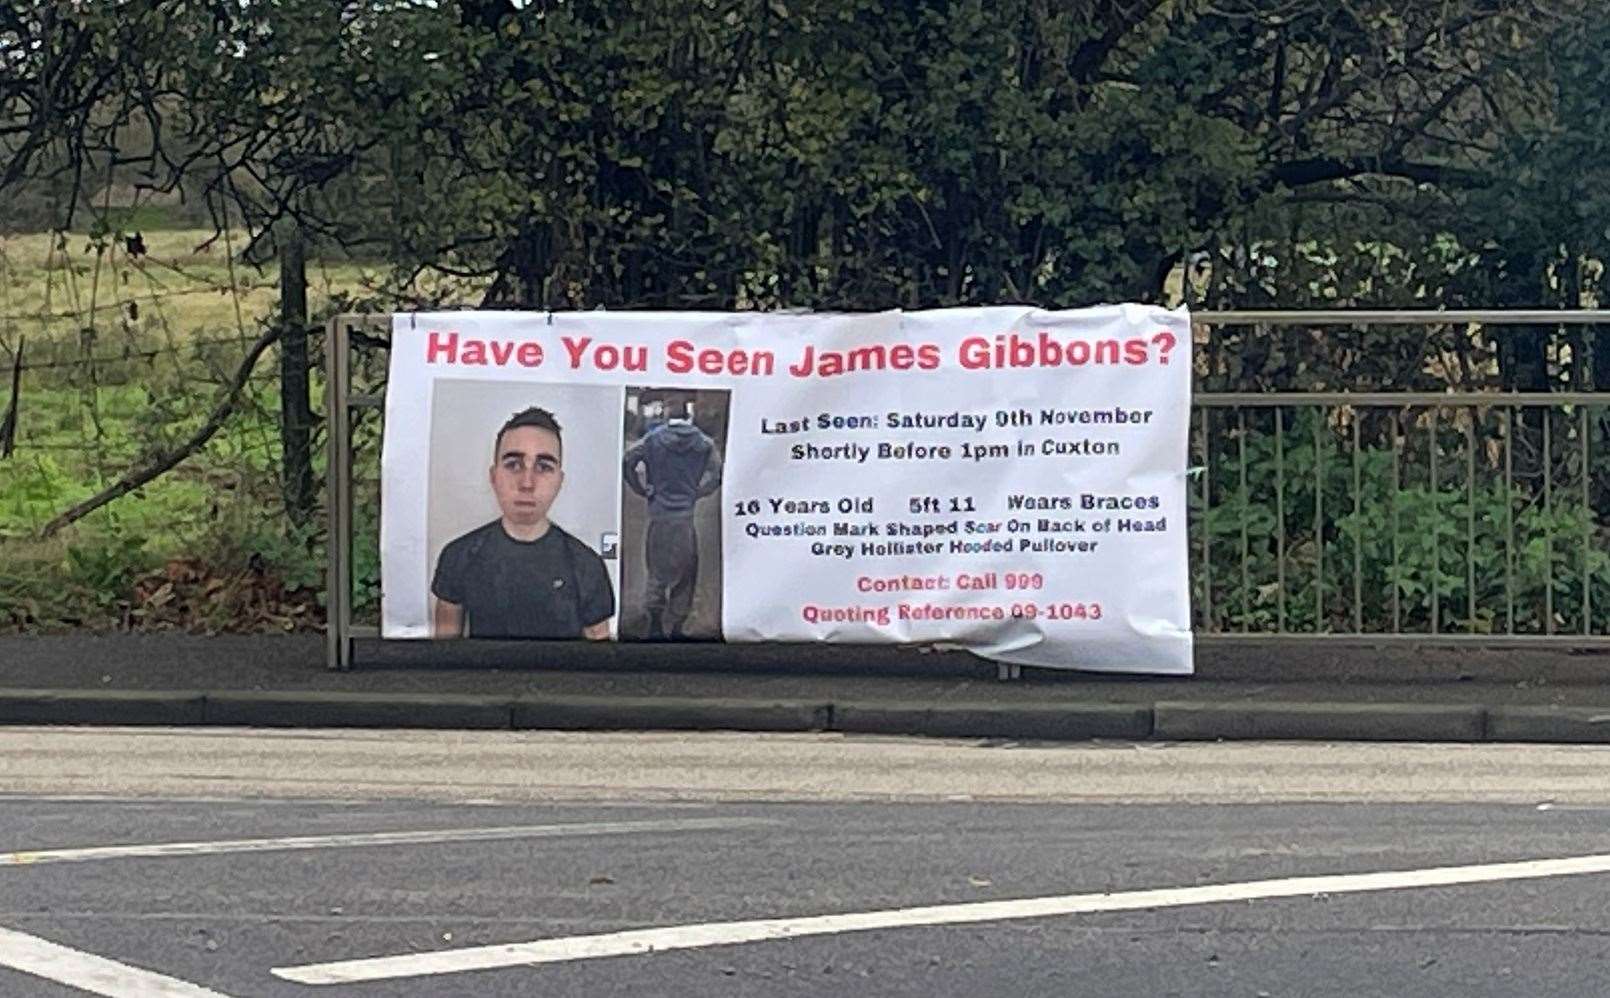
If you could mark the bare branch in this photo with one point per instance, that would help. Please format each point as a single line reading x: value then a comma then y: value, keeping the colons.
x: 166, y: 462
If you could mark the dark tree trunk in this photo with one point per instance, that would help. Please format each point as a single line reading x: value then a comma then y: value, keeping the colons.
x: 1523, y: 363
x: 296, y: 412
x: 523, y: 269
x: 8, y: 424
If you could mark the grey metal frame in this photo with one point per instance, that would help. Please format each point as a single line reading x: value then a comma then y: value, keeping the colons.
x: 342, y: 405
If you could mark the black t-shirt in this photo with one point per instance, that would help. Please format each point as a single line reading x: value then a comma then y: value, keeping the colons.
x: 551, y: 587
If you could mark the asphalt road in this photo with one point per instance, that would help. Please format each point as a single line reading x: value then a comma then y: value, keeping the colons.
x: 278, y: 874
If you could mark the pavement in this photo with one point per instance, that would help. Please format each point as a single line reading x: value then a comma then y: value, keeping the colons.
x: 1247, y: 690
x: 475, y: 767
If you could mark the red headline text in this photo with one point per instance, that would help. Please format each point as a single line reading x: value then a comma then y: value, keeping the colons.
x: 1041, y: 349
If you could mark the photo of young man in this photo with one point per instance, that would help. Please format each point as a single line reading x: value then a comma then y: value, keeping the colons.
x: 521, y: 575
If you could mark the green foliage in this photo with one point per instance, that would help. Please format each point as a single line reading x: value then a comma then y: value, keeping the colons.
x: 1318, y: 542
x: 205, y: 547
x: 104, y: 568
x: 860, y: 154
x: 366, y: 563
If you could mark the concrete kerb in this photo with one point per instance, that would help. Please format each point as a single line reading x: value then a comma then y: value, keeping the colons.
x: 1166, y: 720
x: 669, y: 714
x: 1387, y: 722
x: 182, y: 707
x: 357, y: 710
x: 1579, y: 725
x: 1037, y: 722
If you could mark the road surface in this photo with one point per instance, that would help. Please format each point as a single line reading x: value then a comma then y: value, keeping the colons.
x: 187, y: 864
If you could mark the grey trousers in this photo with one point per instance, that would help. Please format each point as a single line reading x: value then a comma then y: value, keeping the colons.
x: 673, y: 569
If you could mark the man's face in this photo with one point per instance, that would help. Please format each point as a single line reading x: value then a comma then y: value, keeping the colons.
x: 526, y: 474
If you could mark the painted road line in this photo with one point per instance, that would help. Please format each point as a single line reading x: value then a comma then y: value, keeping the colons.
x: 88, y: 972
x: 640, y: 941
x: 362, y: 839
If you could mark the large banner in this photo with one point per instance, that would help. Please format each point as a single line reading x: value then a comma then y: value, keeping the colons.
x: 1006, y: 480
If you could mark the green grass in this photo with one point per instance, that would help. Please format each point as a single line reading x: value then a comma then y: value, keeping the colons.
x: 144, y: 218
x: 185, y: 286
x: 206, y: 546
x: 219, y: 512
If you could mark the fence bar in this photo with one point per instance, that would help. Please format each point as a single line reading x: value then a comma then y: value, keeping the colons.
x: 1280, y: 520
x: 1319, y: 525
x: 1447, y: 639
x: 1509, y: 521
x: 1470, y: 520
x: 1265, y: 400
x: 1246, y: 547
x: 1436, y: 531
x: 1587, y: 525
x: 1358, y: 533
x: 338, y: 542
x: 1207, y: 537
x: 1409, y: 317
x: 1548, y: 526
x: 1395, y: 581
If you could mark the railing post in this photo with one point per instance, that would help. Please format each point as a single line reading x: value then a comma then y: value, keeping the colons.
x: 338, y: 496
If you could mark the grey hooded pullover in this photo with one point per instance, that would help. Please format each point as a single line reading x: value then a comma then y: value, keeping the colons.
x: 679, y: 465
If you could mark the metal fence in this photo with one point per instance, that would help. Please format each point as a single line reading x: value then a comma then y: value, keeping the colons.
x: 1467, y: 514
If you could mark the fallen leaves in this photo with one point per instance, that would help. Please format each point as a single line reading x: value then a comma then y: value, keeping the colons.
x: 188, y: 594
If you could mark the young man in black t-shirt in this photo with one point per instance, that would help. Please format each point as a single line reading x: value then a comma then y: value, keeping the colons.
x: 521, y: 576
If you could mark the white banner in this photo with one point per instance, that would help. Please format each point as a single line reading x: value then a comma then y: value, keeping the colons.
x: 1007, y: 480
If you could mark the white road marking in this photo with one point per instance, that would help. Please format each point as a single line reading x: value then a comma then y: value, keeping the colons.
x: 348, y: 841
x: 639, y: 941
x: 88, y: 972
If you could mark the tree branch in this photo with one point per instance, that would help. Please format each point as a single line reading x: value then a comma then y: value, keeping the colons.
x: 1298, y: 173
x: 1121, y: 19
x: 168, y: 461
x: 8, y: 425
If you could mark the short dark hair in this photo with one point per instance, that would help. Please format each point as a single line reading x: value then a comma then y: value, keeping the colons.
x: 535, y: 416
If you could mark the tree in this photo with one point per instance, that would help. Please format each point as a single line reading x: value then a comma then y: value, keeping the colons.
x: 839, y: 154
x: 827, y: 153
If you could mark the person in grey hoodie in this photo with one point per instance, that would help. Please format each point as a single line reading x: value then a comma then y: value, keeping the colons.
x: 673, y: 466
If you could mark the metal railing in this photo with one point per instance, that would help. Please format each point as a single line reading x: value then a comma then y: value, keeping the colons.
x: 1433, y: 517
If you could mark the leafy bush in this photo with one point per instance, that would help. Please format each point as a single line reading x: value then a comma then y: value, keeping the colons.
x: 1477, y: 549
